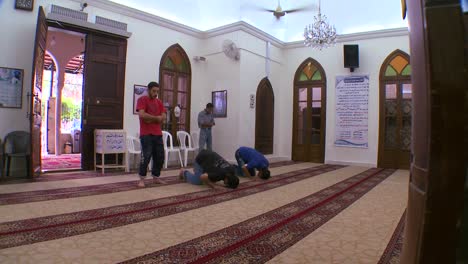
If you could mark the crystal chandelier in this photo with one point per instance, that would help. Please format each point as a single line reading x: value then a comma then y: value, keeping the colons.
x: 320, y: 34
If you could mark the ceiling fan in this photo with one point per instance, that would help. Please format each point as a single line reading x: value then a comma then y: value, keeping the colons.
x: 279, y: 12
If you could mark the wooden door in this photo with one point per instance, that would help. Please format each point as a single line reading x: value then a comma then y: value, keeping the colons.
x: 175, y: 81
x: 264, y: 117
x: 174, y: 92
x: 309, y: 114
x: 438, y: 163
x: 395, y: 112
x: 463, y: 242
x: 104, y: 75
x: 35, y: 115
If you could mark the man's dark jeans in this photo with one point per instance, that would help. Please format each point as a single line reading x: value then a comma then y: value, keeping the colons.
x: 151, y: 147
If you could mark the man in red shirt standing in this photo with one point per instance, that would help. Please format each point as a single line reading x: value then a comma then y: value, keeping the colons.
x: 152, y: 113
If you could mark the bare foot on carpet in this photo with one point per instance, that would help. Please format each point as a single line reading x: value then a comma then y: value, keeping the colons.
x: 157, y: 180
x: 141, y: 184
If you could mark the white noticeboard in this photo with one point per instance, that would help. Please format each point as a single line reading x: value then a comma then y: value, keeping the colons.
x: 110, y: 141
x: 352, y: 102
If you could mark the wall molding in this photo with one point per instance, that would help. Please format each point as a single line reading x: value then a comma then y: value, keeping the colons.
x: 86, y: 24
x: 245, y: 27
x: 384, y: 33
x: 143, y: 16
x: 237, y: 26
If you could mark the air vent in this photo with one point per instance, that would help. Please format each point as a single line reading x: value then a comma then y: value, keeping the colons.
x: 111, y: 23
x: 67, y: 12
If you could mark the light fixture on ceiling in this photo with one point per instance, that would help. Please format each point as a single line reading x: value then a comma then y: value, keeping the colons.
x: 320, y: 34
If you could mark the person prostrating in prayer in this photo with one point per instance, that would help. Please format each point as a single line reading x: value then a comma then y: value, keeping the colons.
x: 209, y: 167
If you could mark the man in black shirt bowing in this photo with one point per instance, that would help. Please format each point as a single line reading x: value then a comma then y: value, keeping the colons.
x: 209, y: 167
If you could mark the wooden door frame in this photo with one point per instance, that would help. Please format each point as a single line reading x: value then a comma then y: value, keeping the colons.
x: 96, y: 103
x: 383, y: 80
x: 86, y: 31
x: 438, y: 163
x: 265, y: 82
x: 188, y: 74
x: 309, y: 84
x: 37, y: 66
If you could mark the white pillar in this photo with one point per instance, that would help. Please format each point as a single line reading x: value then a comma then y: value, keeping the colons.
x: 58, y: 111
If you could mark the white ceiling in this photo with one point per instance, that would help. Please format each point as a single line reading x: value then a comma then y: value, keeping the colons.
x: 347, y: 16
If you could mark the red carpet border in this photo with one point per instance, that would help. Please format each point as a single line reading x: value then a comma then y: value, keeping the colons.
x: 261, y: 238
x: 57, y: 176
x: 73, y: 192
x: 63, y: 193
x: 23, y: 232
x: 393, y: 251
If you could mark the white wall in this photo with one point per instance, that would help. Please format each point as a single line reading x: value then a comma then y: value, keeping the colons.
x: 145, y: 48
x: 17, y: 36
x: 372, y: 53
x: 144, y: 52
x: 253, y: 70
x: 240, y: 78
x: 222, y: 73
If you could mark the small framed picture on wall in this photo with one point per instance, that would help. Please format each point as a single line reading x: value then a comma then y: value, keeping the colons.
x: 138, y: 91
x: 219, y: 101
x: 11, y: 87
x: 24, y: 4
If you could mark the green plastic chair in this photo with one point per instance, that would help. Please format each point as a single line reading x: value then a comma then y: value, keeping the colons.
x: 17, y: 145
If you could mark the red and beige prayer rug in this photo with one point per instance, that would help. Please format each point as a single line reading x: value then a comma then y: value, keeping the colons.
x: 61, y: 162
x: 392, y: 253
x: 305, y: 213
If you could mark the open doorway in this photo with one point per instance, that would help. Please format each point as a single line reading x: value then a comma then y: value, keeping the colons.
x: 62, y: 100
x: 102, y: 84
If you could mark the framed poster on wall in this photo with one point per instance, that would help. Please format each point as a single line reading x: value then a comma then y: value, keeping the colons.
x: 11, y: 87
x: 219, y: 101
x: 138, y: 91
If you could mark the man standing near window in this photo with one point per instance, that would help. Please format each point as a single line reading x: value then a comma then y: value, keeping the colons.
x: 152, y: 113
x: 205, y: 123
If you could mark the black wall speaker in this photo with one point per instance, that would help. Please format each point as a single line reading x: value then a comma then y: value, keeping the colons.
x: 351, y: 56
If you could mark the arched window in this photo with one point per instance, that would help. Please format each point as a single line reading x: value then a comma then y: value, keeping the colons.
x: 264, y: 117
x: 395, y: 111
x: 309, y: 113
x: 175, y: 80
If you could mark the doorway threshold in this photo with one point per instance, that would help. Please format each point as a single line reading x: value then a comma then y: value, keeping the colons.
x: 61, y: 170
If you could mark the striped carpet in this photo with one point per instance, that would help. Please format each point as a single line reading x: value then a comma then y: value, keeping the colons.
x: 305, y: 213
x: 392, y: 253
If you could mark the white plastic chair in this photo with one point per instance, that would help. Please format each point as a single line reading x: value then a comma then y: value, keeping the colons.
x: 168, y: 148
x: 195, y: 139
x: 183, y: 138
x: 133, y: 148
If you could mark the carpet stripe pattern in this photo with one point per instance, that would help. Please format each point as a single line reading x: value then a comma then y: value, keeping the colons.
x: 53, y: 227
x: 62, y: 176
x: 303, y: 205
x: 392, y: 253
x: 61, y: 193
x: 261, y: 238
